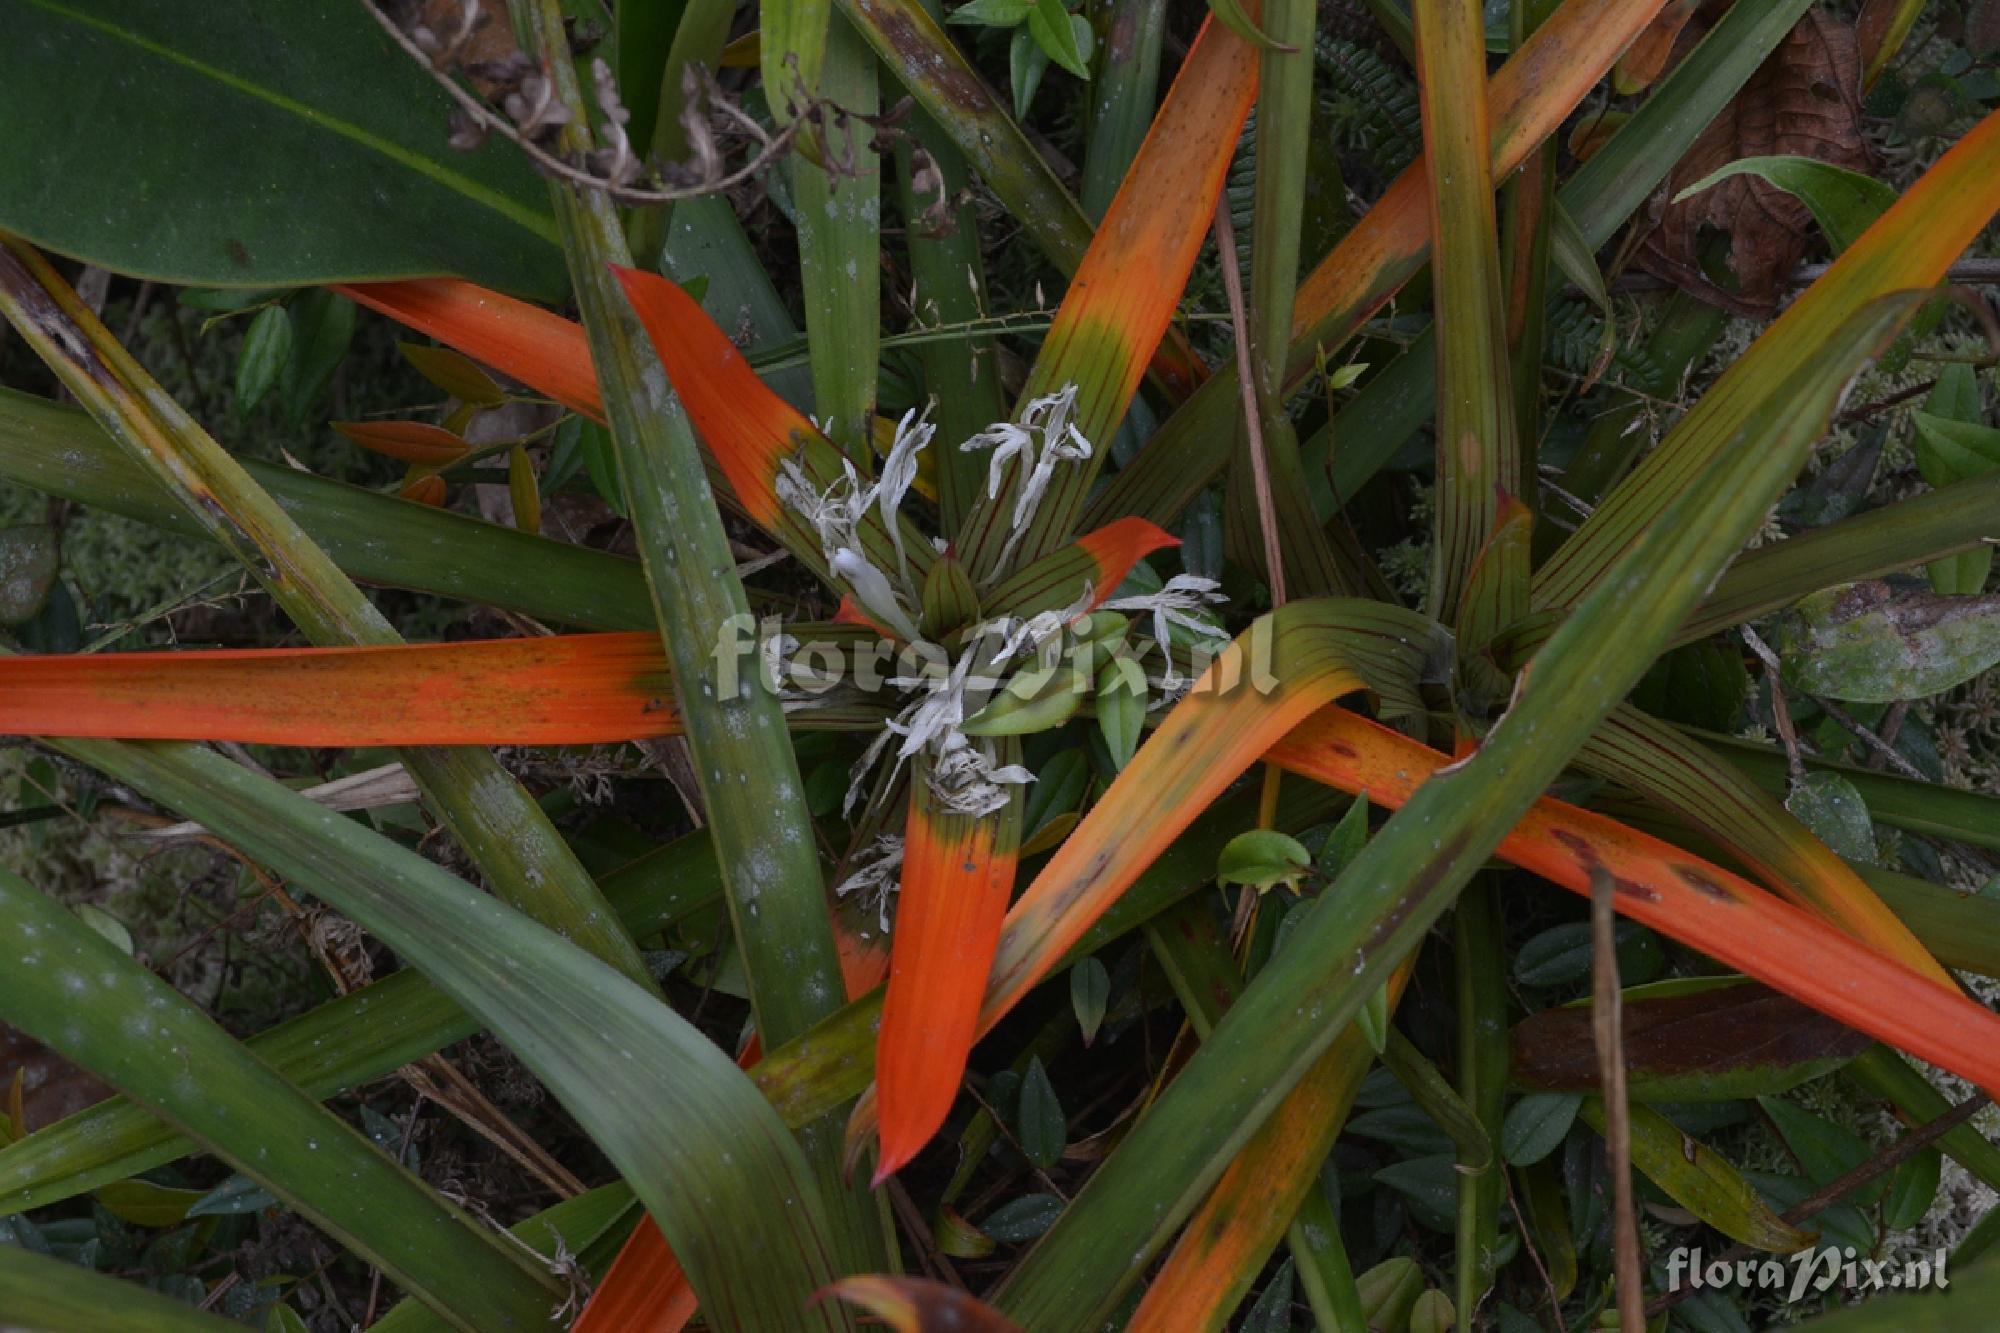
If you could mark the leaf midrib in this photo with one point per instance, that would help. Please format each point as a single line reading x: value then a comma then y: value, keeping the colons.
x: 537, y: 224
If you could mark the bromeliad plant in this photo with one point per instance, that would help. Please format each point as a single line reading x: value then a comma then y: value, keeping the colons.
x: 992, y: 586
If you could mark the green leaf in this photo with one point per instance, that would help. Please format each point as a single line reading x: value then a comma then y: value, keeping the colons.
x: 1027, y: 61
x: 1272, y: 1310
x: 1701, y: 1180
x: 271, y: 147
x: 374, y: 538
x: 1089, y: 996
x: 1536, y: 1125
x: 1912, y: 1187
x: 1826, y: 1151
x: 992, y: 13
x: 267, y: 348
x: 621, y: 1061
x: 1870, y: 644
x: 1039, y: 1119
x: 1231, y: 15
x: 38, y: 1291
x: 1843, y: 202
x: 322, y: 328
x: 1262, y: 858
x: 1429, y: 1186
x: 1344, y: 840
x: 1828, y: 804
x: 1373, y: 1020
x: 29, y: 559
x: 238, y: 1194
x: 1022, y: 1219
x: 1950, y: 450
x: 454, y: 372
x: 75, y: 991
x: 1121, y: 708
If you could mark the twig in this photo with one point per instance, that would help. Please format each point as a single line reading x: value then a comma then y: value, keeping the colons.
x: 1606, y: 1016
x: 1246, y: 377
x: 1534, y: 1255
x: 1848, y: 1181
x: 1781, y: 713
x: 770, y: 146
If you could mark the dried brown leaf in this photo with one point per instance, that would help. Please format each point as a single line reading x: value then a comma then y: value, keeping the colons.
x: 1805, y: 100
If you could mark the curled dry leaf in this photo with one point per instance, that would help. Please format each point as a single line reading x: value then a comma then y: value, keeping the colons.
x: 1805, y: 101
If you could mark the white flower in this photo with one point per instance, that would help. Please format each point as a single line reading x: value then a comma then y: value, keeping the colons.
x: 1060, y: 442
x: 899, y: 473
x: 1170, y: 606
x: 876, y: 870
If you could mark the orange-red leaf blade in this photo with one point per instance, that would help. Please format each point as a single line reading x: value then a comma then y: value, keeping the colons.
x: 525, y: 342
x: 1122, y: 297
x: 1700, y: 905
x: 559, y: 690
x: 958, y: 871
x: 748, y: 429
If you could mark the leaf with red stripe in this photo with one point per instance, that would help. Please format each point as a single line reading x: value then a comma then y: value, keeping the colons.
x: 958, y: 871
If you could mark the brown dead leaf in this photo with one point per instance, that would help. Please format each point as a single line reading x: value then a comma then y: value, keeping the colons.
x: 51, y: 1087
x: 1804, y: 100
x: 1738, y: 1041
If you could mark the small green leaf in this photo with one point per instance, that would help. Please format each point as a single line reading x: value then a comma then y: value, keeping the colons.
x: 281, y: 1319
x: 1833, y: 809
x: 1272, y: 1311
x: 1373, y: 1020
x: 1040, y: 1122
x: 1536, y: 1125
x: 29, y: 559
x: 1912, y: 1187
x: 1022, y: 1219
x: 992, y: 13
x: 1058, y: 788
x: 1230, y: 14
x: 1433, y: 1313
x: 322, y: 328
x: 453, y: 372
x: 1090, y: 996
x: 1026, y: 63
x: 1825, y: 1150
x: 1121, y: 708
x: 1948, y: 450
x: 1344, y: 840
x: 600, y: 462
x: 1262, y: 858
x: 1053, y: 32
x: 107, y: 925
x: 1429, y: 1185
x: 267, y: 347
x: 1843, y: 202
x: 234, y: 1196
